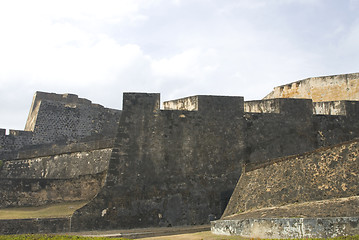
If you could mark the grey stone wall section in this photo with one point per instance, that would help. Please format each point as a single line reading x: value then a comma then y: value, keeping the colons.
x: 288, y: 227
x: 57, y: 121
x: 37, y: 192
x: 60, y: 119
x: 175, y: 167
x: 323, y: 174
x: 169, y: 167
x: 59, y: 166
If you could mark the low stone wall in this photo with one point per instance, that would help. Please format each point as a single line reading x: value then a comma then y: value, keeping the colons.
x: 60, y: 166
x: 288, y: 227
x: 38, y: 225
x: 37, y: 192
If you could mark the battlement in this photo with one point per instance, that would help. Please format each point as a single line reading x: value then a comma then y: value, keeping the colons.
x: 144, y: 101
x: 280, y: 106
x: 186, y: 104
x: 66, y: 97
x: 204, y: 103
x: 20, y: 133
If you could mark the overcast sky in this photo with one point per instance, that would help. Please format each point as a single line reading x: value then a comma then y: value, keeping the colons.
x: 99, y: 49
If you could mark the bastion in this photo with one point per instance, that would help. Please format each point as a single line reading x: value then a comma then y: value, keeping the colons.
x: 145, y: 167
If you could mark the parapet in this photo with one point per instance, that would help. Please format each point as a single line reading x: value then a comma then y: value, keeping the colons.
x: 66, y: 98
x: 141, y: 101
x: 280, y: 106
x: 186, y: 104
x: 343, y: 108
x: 20, y: 133
x: 204, y: 103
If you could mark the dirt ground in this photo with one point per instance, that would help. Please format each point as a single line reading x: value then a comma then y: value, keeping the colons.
x: 176, y: 233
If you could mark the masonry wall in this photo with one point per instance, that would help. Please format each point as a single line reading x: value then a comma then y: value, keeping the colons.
x: 69, y: 122
x: 20, y: 192
x: 321, y: 89
x: 59, y: 166
x: 67, y: 176
x: 327, y: 173
x: 176, y: 167
x: 60, y: 119
x: 170, y: 167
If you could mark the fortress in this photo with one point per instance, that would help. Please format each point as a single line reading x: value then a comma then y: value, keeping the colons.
x: 145, y: 166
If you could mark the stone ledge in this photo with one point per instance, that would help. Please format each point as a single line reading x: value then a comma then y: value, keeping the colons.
x: 288, y: 227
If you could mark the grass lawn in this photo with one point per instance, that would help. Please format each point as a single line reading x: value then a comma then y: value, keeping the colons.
x: 192, y: 236
x: 47, y: 211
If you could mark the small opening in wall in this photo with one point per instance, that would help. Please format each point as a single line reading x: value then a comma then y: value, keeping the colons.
x: 281, y: 89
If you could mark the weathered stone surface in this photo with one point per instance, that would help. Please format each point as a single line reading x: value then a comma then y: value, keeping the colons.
x: 335, y: 207
x: 288, y: 227
x: 322, y: 174
x: 37, y: 192
x: 61, y: 119
x: 61, y: 166
x: 170, y: 167
x: 176, y: 167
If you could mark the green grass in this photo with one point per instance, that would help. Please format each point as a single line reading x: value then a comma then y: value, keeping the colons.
x: 52, y: 237
x: 63, y: 237
x: 48, y: 211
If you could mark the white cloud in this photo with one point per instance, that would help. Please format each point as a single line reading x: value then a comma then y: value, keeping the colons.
x: 182, y: 65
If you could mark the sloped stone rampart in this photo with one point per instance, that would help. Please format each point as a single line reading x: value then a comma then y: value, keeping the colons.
x: 323, y: 174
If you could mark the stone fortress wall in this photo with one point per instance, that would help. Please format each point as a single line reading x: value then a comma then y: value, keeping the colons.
x: 324, y: 174
x: 62, y: 155
x: 59, y: 119
x: 177, y: 166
